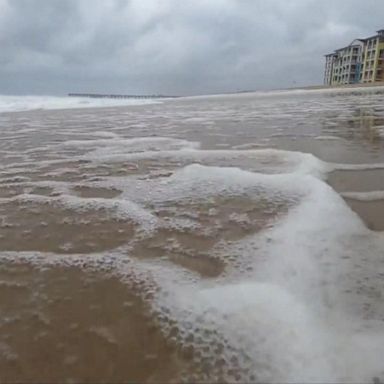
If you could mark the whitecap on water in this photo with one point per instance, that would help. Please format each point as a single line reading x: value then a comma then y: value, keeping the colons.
x: 27, y: 103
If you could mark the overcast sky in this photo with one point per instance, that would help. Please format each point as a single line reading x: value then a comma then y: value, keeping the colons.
x: 173, y: 46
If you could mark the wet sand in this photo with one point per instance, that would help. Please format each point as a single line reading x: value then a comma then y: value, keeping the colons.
x: 67, y: 325
x: 371, y: 212
x: 60, y: 194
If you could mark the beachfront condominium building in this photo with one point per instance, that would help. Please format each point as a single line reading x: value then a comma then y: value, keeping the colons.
x: 373, y: 64
x: 362, y: 61
x: 344, y: 65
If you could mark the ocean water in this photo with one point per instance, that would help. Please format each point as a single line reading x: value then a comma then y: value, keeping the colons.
x: 27, y: 103
x: 229, y: 238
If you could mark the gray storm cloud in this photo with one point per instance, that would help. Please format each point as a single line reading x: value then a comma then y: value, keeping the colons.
x: 173, y: 46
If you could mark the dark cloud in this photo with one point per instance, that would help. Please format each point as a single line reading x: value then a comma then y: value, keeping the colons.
x: 173, y: 46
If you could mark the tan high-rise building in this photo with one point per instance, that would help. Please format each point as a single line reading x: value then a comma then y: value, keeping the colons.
x: 373, y: 63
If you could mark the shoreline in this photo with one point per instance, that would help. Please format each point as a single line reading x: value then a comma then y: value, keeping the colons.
x: 341, y: 86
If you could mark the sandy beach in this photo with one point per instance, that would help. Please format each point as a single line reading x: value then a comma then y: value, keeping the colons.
x: 227, y: 238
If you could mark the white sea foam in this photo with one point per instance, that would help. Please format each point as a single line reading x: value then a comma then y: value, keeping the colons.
x: 310, y: 308
x: 101, y: 148
x: 26, y: 103
x: 365, y: 196
x: 328, y: 138
x: 302, y: 313
x: 380, y: 130
x: 121, y: 209
x: 261, y: 160
x: 357, y: 167
x: 300, y: 299
x: 250, y: 145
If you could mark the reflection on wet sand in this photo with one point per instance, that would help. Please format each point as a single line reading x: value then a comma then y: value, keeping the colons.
x: 363, y: 181
x: 46, y: 227
x: 371, y: 212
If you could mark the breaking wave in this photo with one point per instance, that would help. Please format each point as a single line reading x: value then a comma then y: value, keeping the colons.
x: 27, y: 103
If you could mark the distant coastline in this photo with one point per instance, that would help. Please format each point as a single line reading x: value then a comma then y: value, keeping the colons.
x: 154, y: 96
x: 304, y: 88
x: 356, y: 85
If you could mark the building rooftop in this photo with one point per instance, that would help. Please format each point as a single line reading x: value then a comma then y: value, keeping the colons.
x: 379, y: 33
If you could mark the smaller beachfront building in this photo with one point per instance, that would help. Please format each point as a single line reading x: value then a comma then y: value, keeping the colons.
x: 362, y: 61
x: 328, y: 71
x: 344, y: 65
